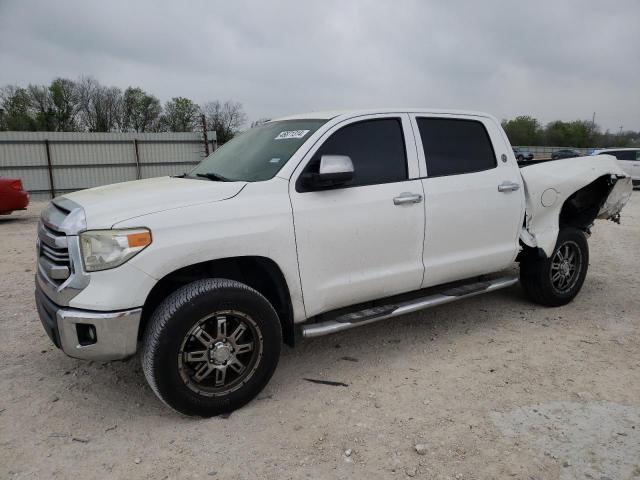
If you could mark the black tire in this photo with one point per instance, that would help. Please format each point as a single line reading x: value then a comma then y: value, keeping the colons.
x: 537, y: 274
x: 195, y: 306
x: 520, y: 158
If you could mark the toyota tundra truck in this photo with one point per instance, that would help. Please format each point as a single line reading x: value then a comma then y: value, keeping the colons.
x: 305, y: 226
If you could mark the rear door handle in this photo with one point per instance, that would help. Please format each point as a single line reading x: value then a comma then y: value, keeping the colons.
x: 407, y: 197
x: 508, y: 187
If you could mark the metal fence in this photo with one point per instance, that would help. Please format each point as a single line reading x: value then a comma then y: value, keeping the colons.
x: 545, y: 152
x: 54, y: 163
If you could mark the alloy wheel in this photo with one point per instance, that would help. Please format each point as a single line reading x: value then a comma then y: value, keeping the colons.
x: 566, y: 265
x: 220, y: 353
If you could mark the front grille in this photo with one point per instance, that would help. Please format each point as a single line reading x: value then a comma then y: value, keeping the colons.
x: 59, y: 256
x: 60, y: 275
x: 53, y: 255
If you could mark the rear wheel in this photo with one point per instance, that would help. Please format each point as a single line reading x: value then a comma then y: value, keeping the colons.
x: 211, y: 347
x: 556, y: 280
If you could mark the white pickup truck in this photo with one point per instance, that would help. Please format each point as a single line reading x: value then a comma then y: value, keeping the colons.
x: 305, y: 226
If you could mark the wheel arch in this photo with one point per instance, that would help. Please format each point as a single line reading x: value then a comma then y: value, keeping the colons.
x: 578, y: 210
x: 581, y: 208
x: 259, y: 273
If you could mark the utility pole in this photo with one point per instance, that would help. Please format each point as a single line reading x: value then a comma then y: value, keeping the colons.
x: 204, y: 135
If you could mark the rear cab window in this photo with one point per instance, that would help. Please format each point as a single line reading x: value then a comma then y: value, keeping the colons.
x: 455, y: 146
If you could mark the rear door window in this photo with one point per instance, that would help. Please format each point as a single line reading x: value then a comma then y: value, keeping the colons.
x: 455, y: 146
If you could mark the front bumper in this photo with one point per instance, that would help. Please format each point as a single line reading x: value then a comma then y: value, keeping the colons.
x: 87, y: 334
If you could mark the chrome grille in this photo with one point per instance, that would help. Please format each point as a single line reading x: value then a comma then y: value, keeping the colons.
x: 60, y: 275
x: 58, y: 255
x: 53, y: 254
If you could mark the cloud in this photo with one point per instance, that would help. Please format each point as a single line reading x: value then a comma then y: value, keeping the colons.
x: 547, y: 58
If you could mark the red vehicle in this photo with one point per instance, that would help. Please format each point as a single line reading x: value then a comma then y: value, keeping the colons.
x: 12, y: 196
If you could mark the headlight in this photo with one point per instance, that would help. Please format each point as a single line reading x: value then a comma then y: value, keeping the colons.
x: 104, y: 249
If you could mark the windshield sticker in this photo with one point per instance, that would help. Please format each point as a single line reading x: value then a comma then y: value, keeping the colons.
x: 274, y: 160
x: 288, y: 134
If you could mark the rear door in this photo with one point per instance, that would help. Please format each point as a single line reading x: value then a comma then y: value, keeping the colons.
x: 358, y: 242
x: 474, y: 204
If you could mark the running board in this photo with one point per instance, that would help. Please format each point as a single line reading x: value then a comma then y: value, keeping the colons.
x: 375, y: 314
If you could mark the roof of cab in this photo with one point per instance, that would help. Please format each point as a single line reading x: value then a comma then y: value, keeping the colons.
x: 329, y: 114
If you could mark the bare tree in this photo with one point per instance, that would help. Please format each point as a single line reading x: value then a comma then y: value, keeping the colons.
x: 100, y: 106
x: 225, y: 118
x: 42, y: 107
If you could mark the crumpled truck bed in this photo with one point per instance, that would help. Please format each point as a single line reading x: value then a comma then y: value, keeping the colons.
x: 548, y: 185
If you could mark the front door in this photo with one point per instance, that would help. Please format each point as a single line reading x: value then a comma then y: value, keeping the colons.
x: 355, y: 243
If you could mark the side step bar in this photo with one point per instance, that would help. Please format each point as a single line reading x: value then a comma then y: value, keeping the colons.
x: 375, y: 314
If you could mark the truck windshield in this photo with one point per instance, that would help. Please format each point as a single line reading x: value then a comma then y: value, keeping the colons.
x: 257, y: 154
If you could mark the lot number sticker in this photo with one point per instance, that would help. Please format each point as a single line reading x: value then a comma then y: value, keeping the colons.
x: 287, y: 134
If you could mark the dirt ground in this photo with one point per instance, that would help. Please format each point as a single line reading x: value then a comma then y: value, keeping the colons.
x: 491, y: 387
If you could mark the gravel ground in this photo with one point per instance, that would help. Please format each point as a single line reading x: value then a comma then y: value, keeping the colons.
x: 492, y: 387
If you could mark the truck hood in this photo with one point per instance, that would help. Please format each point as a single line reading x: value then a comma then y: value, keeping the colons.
x: 110, y: 204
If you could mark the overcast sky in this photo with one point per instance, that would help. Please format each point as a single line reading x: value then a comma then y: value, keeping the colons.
x: 551, y: 59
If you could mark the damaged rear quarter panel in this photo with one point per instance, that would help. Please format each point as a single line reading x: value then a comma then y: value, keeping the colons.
x: 548, y: 185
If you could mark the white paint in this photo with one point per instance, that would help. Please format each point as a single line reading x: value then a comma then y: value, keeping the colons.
x: 354, y: 244
x: 566, y: 176
x: 340, y: 246
x: 549, y: 197
x: 459, y: 204
x: 104, y: 206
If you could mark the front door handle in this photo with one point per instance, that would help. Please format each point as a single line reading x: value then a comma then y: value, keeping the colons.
x: 407, y: 197
x: 508, y: 187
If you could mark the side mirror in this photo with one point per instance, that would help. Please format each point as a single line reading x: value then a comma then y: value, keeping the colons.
x: 334, y: 171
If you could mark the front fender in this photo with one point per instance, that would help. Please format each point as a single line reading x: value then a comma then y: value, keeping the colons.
x: 256, y: 223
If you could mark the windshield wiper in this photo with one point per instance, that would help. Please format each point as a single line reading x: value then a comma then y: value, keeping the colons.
x: 213, y: 176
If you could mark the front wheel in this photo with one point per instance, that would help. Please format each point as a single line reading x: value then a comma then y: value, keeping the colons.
x: 211, y: 347
x: 556, y: 280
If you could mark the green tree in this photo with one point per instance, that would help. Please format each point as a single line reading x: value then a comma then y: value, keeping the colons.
x: 140, y: 111
x: 180, y: 115
x: 557, y: 133
x: 523, y: 130
x: 64, y: 98
x: 15, y: 103
x: 579, y: 133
